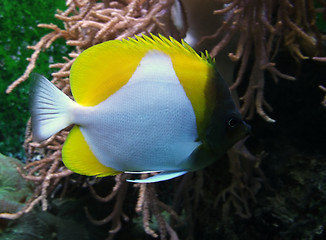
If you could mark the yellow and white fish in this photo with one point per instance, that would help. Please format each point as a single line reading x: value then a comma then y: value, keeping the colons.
x: 149, y: 104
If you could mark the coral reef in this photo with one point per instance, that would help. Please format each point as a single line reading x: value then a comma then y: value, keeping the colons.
x: 87, y: 23
x: 260, y: 28
x: 90, y: 22
x: 231, y: 186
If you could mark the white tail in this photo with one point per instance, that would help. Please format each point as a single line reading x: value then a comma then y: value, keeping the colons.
x: 50, y: 108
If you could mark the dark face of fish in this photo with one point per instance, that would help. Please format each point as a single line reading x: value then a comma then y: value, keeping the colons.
x: 227, y: 126
x: 226, y: 129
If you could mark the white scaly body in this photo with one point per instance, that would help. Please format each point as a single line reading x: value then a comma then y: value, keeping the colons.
x: 147, y: 125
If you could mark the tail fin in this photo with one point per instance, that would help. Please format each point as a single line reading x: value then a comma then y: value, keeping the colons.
x: 50, y: 108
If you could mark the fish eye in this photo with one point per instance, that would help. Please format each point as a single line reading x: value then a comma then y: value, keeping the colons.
x: 232, y: 122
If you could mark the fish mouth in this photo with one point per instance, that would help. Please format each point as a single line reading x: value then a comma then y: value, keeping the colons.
x: 247, y: 127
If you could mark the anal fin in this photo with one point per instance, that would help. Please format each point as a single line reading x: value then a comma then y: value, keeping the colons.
x: 78, y: 157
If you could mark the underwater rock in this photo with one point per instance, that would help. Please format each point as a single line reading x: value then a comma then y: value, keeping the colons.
x: 14, y: 190
x: 39, y: 225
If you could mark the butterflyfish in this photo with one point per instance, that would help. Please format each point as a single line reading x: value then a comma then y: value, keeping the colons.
x: 143, y: 105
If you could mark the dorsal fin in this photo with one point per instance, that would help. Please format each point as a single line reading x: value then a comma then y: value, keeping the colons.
x: 103, y: 69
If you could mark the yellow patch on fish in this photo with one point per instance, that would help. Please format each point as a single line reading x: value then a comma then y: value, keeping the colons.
x: 122, y: 58
x: 71, y: 156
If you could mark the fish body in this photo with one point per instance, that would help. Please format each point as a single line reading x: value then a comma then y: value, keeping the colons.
x: 141, y: 105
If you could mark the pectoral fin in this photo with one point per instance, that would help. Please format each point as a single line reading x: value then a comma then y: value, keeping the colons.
x: 159, y: 177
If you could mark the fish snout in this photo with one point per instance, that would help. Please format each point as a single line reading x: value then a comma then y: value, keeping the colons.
x: 247, y: 128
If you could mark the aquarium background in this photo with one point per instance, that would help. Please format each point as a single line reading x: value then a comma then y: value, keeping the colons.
x: 288, y: 186
x: 18, y: 29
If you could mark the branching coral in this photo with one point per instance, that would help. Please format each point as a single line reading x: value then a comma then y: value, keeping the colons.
x: 148, y: 204
x: 243, y: 186
x: 261, y: 26
x: 119, y: 193
x: 88, y: 23
x: 91, y: 22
